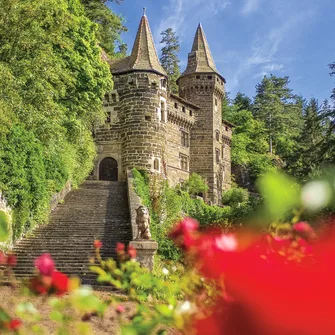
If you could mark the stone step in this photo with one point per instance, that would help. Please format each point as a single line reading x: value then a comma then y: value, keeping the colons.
x: 96, y: 210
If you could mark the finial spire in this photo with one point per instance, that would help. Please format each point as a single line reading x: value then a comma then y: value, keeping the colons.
x: 144, y: 11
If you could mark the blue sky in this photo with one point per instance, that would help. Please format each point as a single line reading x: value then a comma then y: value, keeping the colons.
x: 249, y: 38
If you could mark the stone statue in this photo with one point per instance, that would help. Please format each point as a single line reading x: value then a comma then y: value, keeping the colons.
x: 143, y: 223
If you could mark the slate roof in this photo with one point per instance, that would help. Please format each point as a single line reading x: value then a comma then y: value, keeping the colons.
x: 143, y: 56
x: 200, y: 57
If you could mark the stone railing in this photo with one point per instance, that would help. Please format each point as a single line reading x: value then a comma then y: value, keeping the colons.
x: 146, y: 249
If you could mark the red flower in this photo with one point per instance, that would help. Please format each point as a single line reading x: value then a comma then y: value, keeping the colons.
x: 97, y: 244
x: 40, y: 284
x: 45, y: 265
x: 13, y: 324
x: 3, y: 258
x: 60, y: 282
x: 183, y: 233
x: 131, y: 251
x: 11, y: 260
x: 120, y: 309
x: 120, y: 247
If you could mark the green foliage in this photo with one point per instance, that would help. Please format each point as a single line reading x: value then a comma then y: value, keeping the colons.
x: 195, y: 185
x: 110, y: 26
x: 50, y: 99
x: 168, y: 205
x: 169, y: 58
x: 281, y: 195
x: 3, y: 226
x: 280, y: 111
x: 249, y: 142
x: 235, y: 196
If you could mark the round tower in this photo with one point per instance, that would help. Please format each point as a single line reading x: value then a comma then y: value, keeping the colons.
x: 140, y: 82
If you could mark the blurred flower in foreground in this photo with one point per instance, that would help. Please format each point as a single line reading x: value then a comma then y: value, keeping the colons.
x: 50, y: 281
x: 316, y: 195
x: 97, y: 244
x: 270, y: 286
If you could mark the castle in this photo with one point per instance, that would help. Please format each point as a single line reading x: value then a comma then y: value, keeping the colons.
x: 150, y: 128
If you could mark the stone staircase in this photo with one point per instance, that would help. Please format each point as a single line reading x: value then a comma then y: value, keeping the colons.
x: 97, y: 210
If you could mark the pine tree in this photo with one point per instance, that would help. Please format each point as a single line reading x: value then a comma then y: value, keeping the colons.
x: 169, y: 58
x: 110, y: 25
x: 332, y: 73
x: 281, y: 111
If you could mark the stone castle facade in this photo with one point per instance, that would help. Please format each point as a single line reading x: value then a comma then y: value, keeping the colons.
x: 150, y: 128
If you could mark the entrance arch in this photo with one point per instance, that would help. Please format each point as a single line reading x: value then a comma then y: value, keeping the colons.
x: 108, y: 169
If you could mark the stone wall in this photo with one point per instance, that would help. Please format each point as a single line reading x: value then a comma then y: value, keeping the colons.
x: 178, y: 132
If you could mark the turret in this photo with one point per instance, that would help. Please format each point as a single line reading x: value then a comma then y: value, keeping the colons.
x: 141, y: 98
x: 202, y: 84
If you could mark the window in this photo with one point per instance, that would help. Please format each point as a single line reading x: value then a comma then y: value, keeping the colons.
x: 175, y: 105
x: 216, y: 102
x: 184, y: 109
x: 217, y: 151
x: 107, y: 97
x: 217, y: 135
x: 185, y: 139
x: 148, y: 118
x: 156, y: 164
x: 183, y: 162
x: 191, y: 113
x: 113, y: 97
x: 222, y: 151
x: 210, y: 77
x: 226, y: 128
x: 198, y: 77
x: 163, y: 111
x: 163, y: 83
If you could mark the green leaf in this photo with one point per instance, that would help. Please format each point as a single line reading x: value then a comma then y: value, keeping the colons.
x: 281, y: 194
x: 56, y: 316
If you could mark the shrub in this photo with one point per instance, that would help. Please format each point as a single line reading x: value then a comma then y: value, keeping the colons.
x: 234, y: 197
x: 195, y: 185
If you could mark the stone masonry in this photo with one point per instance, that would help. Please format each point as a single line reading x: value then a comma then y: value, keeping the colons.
x: 150, y: 128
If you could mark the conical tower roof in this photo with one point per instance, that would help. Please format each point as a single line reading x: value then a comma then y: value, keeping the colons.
x: 143, y: 56
x: 200, y: 58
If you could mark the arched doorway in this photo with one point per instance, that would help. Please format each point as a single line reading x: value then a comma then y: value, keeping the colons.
x: 108, y: 169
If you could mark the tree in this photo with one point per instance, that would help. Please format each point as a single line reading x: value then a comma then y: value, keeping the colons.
x: 53, y: 82
x: 110, y: 26
x: 332, y: 73
x: 249, y: 155
x: 169, y: 58
x: 281, y: 112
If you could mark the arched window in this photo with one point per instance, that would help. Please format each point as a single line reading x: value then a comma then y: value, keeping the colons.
x: 156, y: 164
x: 163, y: 111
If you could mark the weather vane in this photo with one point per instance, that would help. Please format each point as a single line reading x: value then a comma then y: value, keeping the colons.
x: 144, y: 10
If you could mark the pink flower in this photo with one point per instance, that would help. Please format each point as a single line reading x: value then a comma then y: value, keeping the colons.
x: 45, y: 265
x: 131, y: 251
x: 3, y: 258
x: 302, y: 227
x: 120, y: 309
x: 97, y: 244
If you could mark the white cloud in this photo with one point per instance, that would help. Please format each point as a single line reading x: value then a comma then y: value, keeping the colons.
x: 250, y: 6
x: 263, y: 57
x: 176, y: 11
x: 273, y: 67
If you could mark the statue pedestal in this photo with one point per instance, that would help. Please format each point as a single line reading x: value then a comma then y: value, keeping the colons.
x: 145, y: 252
